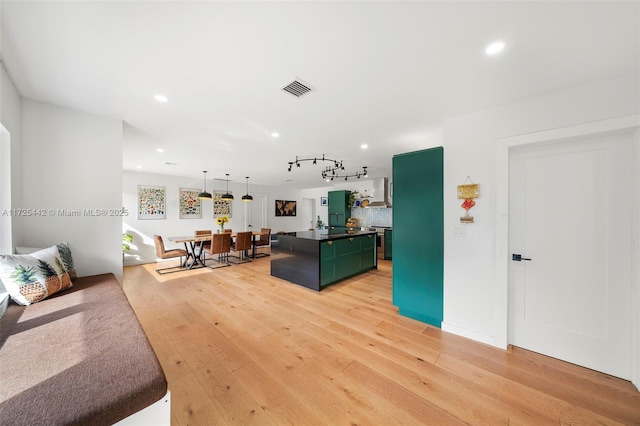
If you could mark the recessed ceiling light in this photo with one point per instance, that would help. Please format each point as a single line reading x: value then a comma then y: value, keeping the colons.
x: 162, y: 98
x: 160, y: 150
x: 364, y: 146
x: 275, y: 135
x: 138, y: 166
x: 494, y: 48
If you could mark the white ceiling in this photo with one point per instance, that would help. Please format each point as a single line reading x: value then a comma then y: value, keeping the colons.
x: 384, y: 73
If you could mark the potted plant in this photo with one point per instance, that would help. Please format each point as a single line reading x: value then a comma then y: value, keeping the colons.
x: 352, y: 199
x: 126, y: 239
x: 220, y: 221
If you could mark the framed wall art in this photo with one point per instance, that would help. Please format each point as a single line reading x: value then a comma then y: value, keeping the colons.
x: 189, y: 203
x: 324, y: 201
x: 151, y: 202
x: 285, y: 208
x: 220, y: 206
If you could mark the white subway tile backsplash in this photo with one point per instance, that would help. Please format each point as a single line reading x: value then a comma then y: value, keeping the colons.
x: 373, y: 216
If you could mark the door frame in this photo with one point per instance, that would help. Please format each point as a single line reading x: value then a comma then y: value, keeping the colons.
x: 257, y: 198
x: 309, y: 204
x: 6, y: 227
x: 627, y: 124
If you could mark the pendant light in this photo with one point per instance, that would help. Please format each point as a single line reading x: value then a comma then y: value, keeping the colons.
x: 227, y: 196
x: 247, y: 198
x: 205, y: 195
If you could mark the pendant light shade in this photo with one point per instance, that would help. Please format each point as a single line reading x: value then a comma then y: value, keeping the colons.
x: 227, y: 196
x: 247, y: 198
x: 204, y: 195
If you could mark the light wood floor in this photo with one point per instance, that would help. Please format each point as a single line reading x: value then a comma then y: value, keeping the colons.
x: 241, y: 347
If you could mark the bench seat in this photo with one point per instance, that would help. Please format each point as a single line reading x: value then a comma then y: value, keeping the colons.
x: 78, y: 357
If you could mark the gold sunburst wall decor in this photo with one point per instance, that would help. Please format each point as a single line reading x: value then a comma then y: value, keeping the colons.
x: 468, y: 192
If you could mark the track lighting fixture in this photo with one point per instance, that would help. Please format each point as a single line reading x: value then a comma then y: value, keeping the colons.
x: 329, y: 172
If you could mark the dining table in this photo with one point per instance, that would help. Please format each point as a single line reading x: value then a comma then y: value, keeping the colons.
x: 194, y: 246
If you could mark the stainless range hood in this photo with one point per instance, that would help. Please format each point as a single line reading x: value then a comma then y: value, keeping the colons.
x: 380, y: 194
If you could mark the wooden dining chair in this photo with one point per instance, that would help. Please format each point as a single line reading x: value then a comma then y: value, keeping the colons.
x: 241, y: 245
x: 163, y: 253
x: 220, y: 246
x: 264, y: 241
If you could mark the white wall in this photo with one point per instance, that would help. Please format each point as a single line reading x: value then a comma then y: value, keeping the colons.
x: 473, y: 304
x: 10, y: 118
x: 636, y: 271
x: 72, y: 161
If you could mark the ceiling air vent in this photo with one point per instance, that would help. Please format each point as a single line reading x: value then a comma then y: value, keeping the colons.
x: 297, y: 88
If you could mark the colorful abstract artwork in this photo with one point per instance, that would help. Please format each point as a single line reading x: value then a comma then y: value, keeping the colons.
x: 151, y: 202
x: 189, y: 204
x: 220, y: 206
x: 285, y: 208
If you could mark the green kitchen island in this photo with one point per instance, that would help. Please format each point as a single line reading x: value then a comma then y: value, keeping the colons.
x: 315, y: 259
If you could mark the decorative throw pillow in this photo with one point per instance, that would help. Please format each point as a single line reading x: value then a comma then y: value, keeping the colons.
x: 31, y: 278
x: 65, y: 254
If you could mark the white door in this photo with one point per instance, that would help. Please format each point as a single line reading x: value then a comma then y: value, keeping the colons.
x: 570, y: 212
x: 256, y: 213
x: 308, y: 211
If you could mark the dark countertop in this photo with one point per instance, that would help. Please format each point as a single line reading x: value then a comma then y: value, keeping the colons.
x: 328, y: 235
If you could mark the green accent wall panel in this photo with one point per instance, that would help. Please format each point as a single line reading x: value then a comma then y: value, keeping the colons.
x: 418, y: 235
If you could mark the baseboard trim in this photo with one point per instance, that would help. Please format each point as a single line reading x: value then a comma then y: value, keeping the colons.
x: 471, y: 334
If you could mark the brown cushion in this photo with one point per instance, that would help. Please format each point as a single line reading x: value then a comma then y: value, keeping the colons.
x: 79, y: 357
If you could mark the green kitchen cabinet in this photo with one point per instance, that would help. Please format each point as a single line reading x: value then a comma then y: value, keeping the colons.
x: 348, y: 258
x: 337, y: 206
x: 418, y: 234
x: 327, y: 263
x: 368, y: 247
x: 388, y: 244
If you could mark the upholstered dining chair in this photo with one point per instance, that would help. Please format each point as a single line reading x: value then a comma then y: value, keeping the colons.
x: 241, y: 245
x: 206, y: 244
x: 264, y: 241
x: 163, y: 253
x: 220, y: 245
